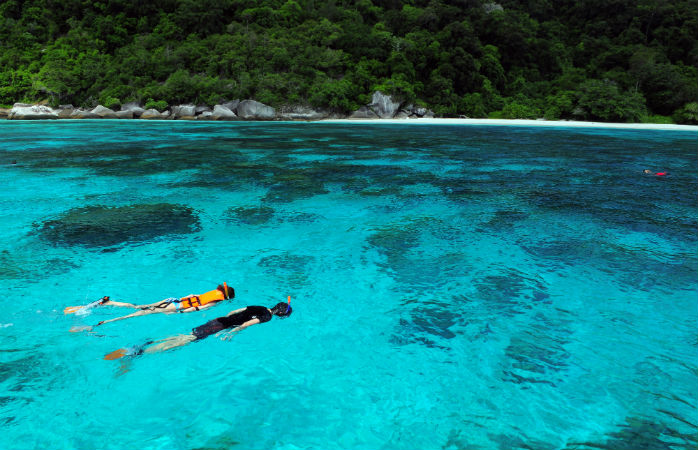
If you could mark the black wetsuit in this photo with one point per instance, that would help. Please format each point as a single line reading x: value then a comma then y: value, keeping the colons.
x: 221, y: 323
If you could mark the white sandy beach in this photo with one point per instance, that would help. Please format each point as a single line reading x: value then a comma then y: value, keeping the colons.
x: 525, y: 123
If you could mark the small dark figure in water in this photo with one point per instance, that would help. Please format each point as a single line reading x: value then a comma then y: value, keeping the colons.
x: 658, y: 174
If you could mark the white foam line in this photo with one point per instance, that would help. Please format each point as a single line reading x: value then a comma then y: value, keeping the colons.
x: 519, y: 122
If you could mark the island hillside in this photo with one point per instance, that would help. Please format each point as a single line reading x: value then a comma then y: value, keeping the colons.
x: 611, y: 60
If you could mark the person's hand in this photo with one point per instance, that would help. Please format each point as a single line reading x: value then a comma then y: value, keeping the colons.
x: 228, y: 335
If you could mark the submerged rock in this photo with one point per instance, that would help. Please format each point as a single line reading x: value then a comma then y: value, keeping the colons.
x: 254, y: 110
x: 104, y: 226
x: 294, y: 185
x: 250, y: 216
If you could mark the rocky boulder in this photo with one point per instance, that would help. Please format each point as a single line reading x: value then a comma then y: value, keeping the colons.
x: 301, y: 113
x: 154, y: 114
x: 124, y: 114
x: 220, y: 112
x: 64, y: 111
x: 104, y: 113
x: 4, y: 113
x: 183, y: 111
x: 24, y: 111
x: 384, y: 105
x: 201, y: 109
x: 83, y: 114
x: 206, y: 115
x: 231, y: 105
x: 254, y: 110
x: 135, y: 109
x: 364, y: 113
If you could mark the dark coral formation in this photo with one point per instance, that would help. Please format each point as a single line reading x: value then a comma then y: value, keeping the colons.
x: 104, y: 226
x: 250, y: 216
x: 537, y: 353
x: 23, y: 264
x: 288, y: 269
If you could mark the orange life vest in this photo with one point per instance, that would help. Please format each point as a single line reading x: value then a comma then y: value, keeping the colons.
x: 213, y: 296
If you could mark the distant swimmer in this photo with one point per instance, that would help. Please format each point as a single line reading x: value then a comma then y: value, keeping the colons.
x: 657, y: 174
x: 168, y: 306
x: 236, y: 321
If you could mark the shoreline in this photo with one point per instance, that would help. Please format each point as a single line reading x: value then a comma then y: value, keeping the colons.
x: 522, y: 123
x: 420, y: 121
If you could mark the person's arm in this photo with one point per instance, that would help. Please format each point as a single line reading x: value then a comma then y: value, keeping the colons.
x: 249, y: 323
x: 237, y: 329
x: 236, y: 311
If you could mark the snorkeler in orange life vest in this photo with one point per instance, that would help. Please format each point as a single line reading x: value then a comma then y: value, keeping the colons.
x: 170, y: 305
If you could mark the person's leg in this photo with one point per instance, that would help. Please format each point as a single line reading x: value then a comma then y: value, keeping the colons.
x: 163, y: 304
x: 142, y: 312
x: 120, y: 304
x: 170, y: 343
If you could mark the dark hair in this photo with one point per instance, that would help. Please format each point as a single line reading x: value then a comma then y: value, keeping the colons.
x: 230, y: 294
x: 282, y: 309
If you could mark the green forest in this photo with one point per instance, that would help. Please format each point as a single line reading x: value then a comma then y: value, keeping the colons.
x: 611, y: 60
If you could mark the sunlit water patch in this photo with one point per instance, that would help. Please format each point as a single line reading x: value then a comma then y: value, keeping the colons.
x: 453, y: 286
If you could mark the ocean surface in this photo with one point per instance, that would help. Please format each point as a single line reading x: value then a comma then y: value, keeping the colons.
x: 454, y: 286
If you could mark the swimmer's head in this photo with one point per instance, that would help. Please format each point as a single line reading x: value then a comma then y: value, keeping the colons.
x: 227, y: 291
x: 282, y: 310
x: 647, y: 171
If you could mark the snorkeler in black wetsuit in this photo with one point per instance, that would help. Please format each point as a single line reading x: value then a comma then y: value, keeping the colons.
x: 237, y: 320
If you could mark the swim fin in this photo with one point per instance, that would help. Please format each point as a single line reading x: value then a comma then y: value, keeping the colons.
x: 136, y: 350
x: 116, y: 354
x: 74, y: 309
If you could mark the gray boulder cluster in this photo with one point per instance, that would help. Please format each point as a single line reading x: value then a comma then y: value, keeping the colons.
x: 384, y: 107
x: 381, y: 107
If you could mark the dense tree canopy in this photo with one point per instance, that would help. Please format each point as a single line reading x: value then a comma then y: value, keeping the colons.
x: 610, y: 60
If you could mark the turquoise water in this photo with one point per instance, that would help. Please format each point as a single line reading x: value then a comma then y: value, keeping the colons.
x: 453, y: 286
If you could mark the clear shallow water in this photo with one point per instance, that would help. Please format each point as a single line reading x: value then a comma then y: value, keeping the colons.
x: 453, y: 286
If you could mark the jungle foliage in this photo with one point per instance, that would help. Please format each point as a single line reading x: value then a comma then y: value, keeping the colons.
x: 611, y: 60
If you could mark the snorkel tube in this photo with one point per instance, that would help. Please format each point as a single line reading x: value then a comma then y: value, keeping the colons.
x: 288, y: 308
